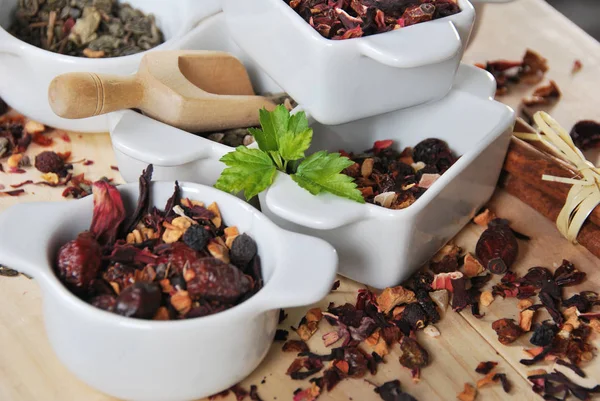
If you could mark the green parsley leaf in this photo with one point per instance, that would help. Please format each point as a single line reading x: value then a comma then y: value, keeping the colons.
x: 298, y: 123
x: 293, y: 145
x: 321, y: 172
x: 273, y: 124
x: 248, y: 170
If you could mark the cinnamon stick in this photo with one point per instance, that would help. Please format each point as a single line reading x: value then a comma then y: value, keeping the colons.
x: 589, y: 235
x: 529, y: 164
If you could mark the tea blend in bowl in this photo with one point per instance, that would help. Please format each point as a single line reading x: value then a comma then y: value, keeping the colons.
x: 86, y: 28
x: 395, y: 179
x: 179, y: 263
x: 346, y: 19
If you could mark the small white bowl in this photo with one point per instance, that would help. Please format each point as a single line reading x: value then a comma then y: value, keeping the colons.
x: 156, y: 360
x: 377, y: 246
x: 27, y: 70
x: 338, y: 81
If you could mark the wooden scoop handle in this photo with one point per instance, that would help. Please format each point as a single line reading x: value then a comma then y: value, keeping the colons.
x: 87, y: 94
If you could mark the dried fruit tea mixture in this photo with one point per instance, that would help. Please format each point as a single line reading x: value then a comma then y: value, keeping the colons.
x: 180, y: 263
x: 85, y: 28
x: 395, y: 179
x: 346, y: 19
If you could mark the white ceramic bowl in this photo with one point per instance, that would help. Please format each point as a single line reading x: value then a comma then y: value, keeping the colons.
x: 26, y: 71
x: 338, y: 81
x: 156, y: 360
x: 377, y: 246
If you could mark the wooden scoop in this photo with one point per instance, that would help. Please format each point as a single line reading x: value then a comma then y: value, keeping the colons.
x: 197, y: 91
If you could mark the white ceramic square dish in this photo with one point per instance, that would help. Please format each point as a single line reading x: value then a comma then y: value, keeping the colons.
x: 377, y: 246
x: 27, y: 70
x: 338, y: 81
x: 147, y: 360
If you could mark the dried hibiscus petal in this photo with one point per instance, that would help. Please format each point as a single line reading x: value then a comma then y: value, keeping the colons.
x: 109, y: 212
x: 485, y: 367
x: 390, y: 391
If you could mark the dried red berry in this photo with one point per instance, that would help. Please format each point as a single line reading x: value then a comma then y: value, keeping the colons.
x: 49, y: 162
x: 497, y: 247
x: 79, y: 261
x: 141, y: 300
x: 216, y: 280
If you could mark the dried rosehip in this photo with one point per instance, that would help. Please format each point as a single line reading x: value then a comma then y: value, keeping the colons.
x: 413, y: 355
x: 49, y: 162
x: 243, y: 250
x: 104, y: 302
x: 497, y: 247
x: 196, y: 237
x: 507, y: 330
x: 141, y: 300
x: 79, y: 261
x: 213, y: 279
x: 180, y: 255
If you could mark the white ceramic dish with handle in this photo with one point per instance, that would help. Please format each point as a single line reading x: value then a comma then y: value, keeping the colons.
x: 480, y: 7
x: 338, y: 81
x: 376, y: 246
x: 146, y: 360
x: 27, y: 70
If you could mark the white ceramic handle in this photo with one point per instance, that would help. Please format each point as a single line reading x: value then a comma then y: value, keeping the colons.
x: 304, y: 275
x: 288, y: 201
x: 475, y: 81
x: 154, y: 142
x: 28, y: 253
x: 414, y: 46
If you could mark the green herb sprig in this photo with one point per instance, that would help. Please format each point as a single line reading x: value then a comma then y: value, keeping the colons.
x: 282, y: 142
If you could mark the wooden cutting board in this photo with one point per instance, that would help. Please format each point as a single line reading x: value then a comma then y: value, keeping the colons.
x: 30, y: 371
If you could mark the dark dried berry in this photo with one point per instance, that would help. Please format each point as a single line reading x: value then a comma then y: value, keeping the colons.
x: 497, y: 248
x: 141, y: 300
x: 544, y: 334
x: 196, y: 237
x: 586, y: 134
x: 415, y: 316
x: 413, y: 355
x: 434, y: 152
x: 79, y: 261
x: 243, y: 250
x: 49, y: 162
x: 120, y: 274
x: 104, y: 302
x: 215, y: 280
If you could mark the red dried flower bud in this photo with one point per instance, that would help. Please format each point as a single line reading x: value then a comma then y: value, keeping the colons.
x: 109, y: 212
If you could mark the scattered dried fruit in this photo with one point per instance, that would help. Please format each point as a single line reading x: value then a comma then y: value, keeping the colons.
x: 468, y: 394
x: 497, y: 247
x: 507, y: 330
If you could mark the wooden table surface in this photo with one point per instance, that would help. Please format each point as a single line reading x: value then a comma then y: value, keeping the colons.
x: 30, y: 371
